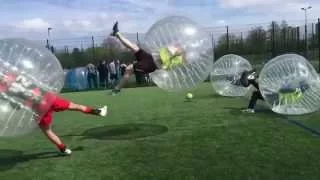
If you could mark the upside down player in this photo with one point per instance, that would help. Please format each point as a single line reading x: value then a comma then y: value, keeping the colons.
x: 170, y: 57
x: 41, y: 101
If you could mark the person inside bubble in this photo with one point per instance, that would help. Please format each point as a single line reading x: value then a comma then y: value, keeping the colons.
x: 292, y: 92
x: 170, y: 57
x: 21, y: 91
x: 289, y: 93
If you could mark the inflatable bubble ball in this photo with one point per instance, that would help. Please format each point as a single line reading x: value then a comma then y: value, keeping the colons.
x: 290, y: 85
x: 77, y: 79
x: 181, y: 50
x: 25, y: 68
x: 226, y: 73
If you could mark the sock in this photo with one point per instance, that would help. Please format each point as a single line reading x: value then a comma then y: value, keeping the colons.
x: 88, y: 110
x: 61, y: 147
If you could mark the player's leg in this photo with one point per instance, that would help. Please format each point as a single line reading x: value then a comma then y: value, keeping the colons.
x: 126, y: 42
x: 256, y: 95
x: 253, y: 100
x: 128, y: 73
x: 61, y: 104
x: 55, y: 140
x: 45, y: 126
x: 88, y: 110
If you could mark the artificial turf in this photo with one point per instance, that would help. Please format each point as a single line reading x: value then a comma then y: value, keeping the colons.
x: 151, y: 134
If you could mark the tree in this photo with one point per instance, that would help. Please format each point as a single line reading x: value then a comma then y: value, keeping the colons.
x: 275, y: 38
x: 257, y: 40
x: 66, y: 60
x: 314, y: 39
x: 224, y: 46
x: 79, y: 57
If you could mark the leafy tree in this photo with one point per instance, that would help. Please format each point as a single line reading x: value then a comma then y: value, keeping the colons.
x: 257, y: 40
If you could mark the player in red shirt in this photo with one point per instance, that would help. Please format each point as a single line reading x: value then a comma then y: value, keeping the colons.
x: 44, y: 103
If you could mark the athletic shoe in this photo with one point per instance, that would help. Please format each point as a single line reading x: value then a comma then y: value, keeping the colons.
x: 66, y: 152
x: 248, y: 110
x: 103, y: 111
x: 115, y: 29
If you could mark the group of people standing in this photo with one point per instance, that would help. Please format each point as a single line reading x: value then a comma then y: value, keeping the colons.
x: 105, y: 74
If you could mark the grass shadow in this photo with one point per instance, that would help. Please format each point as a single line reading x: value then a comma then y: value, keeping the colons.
x: 10, y: 158
x: 123, y: 132
x: 208, y: 96
x: 285, y: 118
x: 213, y: 95
x: 259, y: 110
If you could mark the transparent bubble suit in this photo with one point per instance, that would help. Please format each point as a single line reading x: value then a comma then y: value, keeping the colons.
x: 194, y: 42
x: 34, y: 64
x: 226, y: 70
x: 290, y: 85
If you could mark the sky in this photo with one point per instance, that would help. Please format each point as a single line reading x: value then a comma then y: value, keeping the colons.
x: 78, y: 18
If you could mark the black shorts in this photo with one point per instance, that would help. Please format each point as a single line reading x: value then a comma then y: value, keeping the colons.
x: 145, y: 63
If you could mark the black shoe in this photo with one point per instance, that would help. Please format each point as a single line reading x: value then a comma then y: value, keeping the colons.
x: 96, y: 111
x: 101, y: 111
x: 115, y: 29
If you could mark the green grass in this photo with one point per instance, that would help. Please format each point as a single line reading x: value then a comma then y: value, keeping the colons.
x: 151, y: 134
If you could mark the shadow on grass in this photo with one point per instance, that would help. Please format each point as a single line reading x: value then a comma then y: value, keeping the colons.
x: 10, y: 158
x: 288, y: 119
x: 261, y: 110
x: 209, y: 96
x: 123, y: 132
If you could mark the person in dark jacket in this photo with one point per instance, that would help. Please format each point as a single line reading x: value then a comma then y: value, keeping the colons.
x: 250, y: 78
x: 103, y: 73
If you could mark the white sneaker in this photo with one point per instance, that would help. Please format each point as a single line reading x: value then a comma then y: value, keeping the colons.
x: 248, y: 110
x: 67, y: 152
x: 103, y: 111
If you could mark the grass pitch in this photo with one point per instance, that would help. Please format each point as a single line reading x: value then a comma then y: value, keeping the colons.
x: 151, y: 134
